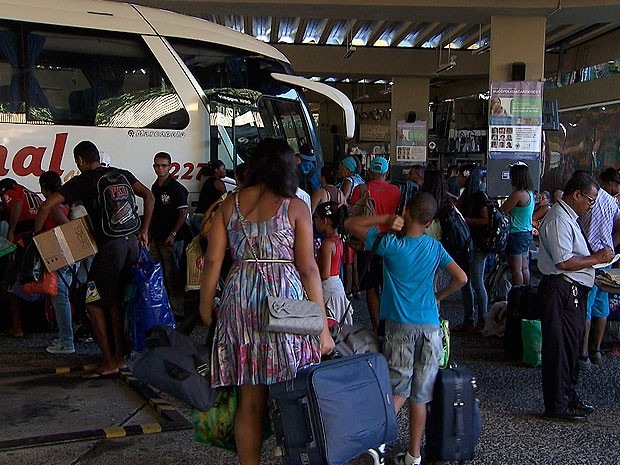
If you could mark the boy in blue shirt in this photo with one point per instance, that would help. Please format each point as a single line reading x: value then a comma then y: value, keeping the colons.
x: 409, y: 307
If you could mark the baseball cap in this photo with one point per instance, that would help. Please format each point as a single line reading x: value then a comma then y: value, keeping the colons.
x: 379, y: 165
x: 350, y: 164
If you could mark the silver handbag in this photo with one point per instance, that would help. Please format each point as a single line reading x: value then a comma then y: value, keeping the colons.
x: 294, y: 316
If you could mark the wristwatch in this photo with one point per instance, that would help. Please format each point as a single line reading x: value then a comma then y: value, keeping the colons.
x: 173, y: 234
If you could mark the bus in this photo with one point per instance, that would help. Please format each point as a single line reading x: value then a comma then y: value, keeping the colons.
x: 137, y: 81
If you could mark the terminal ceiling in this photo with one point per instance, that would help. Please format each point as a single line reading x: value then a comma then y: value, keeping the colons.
x: 394, y: 38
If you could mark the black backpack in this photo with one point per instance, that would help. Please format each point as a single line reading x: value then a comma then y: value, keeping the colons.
x: 407, y: 189
x: 117, y: 203
x: 455, y: 233
x: 498, y: 230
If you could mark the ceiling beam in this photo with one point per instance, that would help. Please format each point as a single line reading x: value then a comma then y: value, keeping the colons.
x: 275, y: 30
x: 247, y: 25
x: 301, y: 30
x: 474, y: 37
x: 352, y: 29
x: 429, y: 31
x: 403, y: 32
x: 326, y: 31
x: 452, y: 32
x: 377, y: 32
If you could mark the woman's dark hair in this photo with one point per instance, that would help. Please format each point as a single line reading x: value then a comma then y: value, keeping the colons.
x: 334, y: 212
x: 472, y: 186
x: 213, y: 165
x: 6, y: 184
x: 520, y: 177
x: 50, y: 181
x: 272, y: 164
x: 241, y: 174
x: 330, y: 173
x: 435, y: 184
x: 579, y: 181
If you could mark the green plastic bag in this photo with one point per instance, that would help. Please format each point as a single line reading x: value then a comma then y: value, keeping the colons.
x: 445, y: 343
x: 531, y: 335
x: 216, y: 427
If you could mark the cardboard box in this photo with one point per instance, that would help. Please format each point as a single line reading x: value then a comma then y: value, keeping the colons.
x: 66, y: 244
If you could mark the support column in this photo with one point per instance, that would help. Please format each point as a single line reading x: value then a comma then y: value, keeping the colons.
x: 517, y: 39
x: 408, y: 94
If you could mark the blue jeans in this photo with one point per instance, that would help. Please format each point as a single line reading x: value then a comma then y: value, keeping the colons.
x: 475, y: 289
x: 62, y: 307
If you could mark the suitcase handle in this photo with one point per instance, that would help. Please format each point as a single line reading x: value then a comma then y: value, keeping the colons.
x: 311, y: 444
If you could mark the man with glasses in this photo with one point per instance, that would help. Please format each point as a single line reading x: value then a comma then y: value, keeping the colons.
x: 566, y: 262
x: 601, y: 226
x: 168, y: 229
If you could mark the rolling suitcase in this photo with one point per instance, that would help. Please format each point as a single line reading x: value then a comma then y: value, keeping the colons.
x: 334, y: 411
x: 453, y: 423
x: 521, y: 306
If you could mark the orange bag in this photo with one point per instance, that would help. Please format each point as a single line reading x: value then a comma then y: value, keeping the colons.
x: 47, y: 285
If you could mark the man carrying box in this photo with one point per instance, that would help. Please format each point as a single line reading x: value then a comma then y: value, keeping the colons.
x: 108, y: 196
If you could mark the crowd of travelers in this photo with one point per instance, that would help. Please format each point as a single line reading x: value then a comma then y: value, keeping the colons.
x: 313, y: 243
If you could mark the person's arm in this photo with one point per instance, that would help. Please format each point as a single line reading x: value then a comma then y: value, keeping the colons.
x: 616, y: 230
x: 14, y: 211
x: 182, y: 214
x: 576, y: 263
x: 318, y: 197
x: 218, y: 240
x: 359, y: 225
x: 46, y: 209
x: 326, y: 252
x: 307, y: 267
x: 58, y: 216
x: 458, y: 279
x: 540, y: 213
x: 511, y: 202
x: 149, y: 202
x: 347, y: 187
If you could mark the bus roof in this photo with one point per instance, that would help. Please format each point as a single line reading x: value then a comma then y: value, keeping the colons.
x: 123, y: 17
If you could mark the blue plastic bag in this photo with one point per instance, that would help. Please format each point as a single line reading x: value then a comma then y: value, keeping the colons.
x: 150, y: 303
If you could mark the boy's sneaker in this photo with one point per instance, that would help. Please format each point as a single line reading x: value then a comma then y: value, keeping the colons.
x: 399, y: 459
x: 596, y: 357
x: 377, y: 454
x: 57, y: 348
x: 584, y: 363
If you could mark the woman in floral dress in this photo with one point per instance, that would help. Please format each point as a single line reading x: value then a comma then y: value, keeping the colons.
x: 267, y: 218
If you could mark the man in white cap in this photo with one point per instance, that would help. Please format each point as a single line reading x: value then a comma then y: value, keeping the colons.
x: 386, y: 197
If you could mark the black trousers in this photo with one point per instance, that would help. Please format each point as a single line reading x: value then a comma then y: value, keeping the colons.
x: 563, y: 309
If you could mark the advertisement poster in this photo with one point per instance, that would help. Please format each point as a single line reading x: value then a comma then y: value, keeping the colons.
x: 410, y: 142
x: 515, y: 120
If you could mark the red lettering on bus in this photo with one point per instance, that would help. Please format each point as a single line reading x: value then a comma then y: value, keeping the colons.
x: 58, y: 150
x: 35, y: 154
x: 4, y: 153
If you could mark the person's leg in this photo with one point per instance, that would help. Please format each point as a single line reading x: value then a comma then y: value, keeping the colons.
x: 172, y: 279
x: 15, y: 304
x: 99, y: 325
x: 525, y: 268
x: 587, y: 326
x: 417, y: 421
x: 249, y: 421
x: 477, y: 284
x: 373, y: 301
x: 600, y: 312
x: 515, y: 264
x: 62, y: 308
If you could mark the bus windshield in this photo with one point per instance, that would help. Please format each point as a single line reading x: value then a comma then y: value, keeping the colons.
x: 245, y: 103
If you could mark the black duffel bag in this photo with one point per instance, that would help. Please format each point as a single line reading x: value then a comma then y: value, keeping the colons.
x: 179, y: 366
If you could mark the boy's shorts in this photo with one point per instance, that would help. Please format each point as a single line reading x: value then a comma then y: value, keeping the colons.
x: 598, y: 304
x: 413, y: 353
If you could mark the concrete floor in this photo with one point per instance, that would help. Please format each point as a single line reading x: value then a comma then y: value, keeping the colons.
x: 39, y: 406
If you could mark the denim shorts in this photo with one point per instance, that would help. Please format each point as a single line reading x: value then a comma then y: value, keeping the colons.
x: 519, y: 243
x: 413, y: 353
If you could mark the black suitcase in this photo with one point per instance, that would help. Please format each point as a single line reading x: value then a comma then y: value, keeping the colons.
x: 522, y: 305
x: 334, y: 411
x: 453, y: 423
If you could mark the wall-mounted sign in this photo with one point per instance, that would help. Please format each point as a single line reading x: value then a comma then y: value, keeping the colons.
x: 374, y: 132
x: 410, y: 142
x: 515, y: 120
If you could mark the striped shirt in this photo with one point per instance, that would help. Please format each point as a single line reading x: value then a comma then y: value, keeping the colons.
x: 598, y: 223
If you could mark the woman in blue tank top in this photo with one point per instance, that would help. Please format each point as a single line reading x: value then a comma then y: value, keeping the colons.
x: 520, y: 206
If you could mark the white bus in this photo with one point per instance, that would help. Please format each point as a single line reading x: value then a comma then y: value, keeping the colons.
x: 136, y: 81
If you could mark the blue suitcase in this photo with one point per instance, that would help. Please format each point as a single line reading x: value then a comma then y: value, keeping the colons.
x: 334, y: 411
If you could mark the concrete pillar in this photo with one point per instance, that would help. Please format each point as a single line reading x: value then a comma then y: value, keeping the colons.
x: 517, y: 39
x: 408, y: 94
